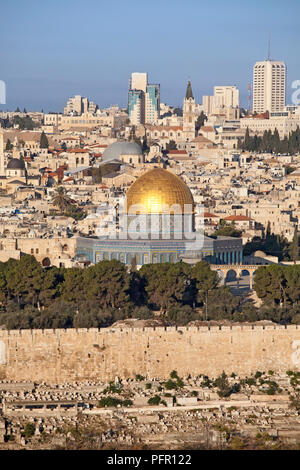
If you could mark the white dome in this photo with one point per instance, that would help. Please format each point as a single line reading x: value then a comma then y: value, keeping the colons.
x: 115, y: 150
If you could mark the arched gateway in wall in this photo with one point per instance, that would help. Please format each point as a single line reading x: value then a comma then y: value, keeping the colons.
x: 238, y: 269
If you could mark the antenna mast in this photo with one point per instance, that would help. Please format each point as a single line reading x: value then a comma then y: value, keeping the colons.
x: 269, y: 47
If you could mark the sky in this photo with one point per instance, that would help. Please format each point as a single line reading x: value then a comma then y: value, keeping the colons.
x: 52, y: 50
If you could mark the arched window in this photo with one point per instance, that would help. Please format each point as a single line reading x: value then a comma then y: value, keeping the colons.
x: 155, y: 258
x: 172, y: 258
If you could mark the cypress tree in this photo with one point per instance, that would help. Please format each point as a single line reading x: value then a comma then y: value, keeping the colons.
x: 44, y: 141
x: 9, y: 145
x: 294, y: 246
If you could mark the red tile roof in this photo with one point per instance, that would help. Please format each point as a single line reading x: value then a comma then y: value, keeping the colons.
x: 209, y: 214
x: 238, y: 218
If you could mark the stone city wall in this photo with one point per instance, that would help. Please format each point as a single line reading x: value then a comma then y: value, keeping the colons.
x: 58, y: 356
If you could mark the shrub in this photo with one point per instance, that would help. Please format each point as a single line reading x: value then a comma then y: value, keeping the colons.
x: 127, y: 403
x: 170, y: 385
x: 148, y: 386
x: 222, y: 384
x: 29, y: 430
x: 154, y: 400
x: 250, y: 381
x: 109, y: 401
x: 139, y: 377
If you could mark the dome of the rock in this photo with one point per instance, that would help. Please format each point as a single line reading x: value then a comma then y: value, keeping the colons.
x: 157, y: 190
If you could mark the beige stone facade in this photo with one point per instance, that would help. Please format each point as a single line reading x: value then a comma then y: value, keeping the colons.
x: 58, y: 356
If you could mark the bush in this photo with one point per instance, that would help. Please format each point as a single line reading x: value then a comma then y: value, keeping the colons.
x: 206, y: 382
x: 109, y: 402
x: 148, y: 386
x: 154, y: 400
x: 113, y: 402
x: 222, y: 384
x: 112, y: 388
x: 181, y: 314
x: 170, y: 385
x: 139, y: 377
x: 127, y: 403
x: 29, y: 430
x: 250, y: 381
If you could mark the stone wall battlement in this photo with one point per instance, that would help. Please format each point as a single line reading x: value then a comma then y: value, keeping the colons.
x: 71, y: 331
x: 65, y: 355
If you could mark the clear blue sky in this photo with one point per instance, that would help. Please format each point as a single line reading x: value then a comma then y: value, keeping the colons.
x: 53, y: 49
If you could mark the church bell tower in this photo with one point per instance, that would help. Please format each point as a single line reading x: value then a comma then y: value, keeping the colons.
x: 189, y: 116
x: 2, y: 160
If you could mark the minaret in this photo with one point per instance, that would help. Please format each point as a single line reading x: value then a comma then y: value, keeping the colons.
x: 2, y: 162
x: 189, y: 116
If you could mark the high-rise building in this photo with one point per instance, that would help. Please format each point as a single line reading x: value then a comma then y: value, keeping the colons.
x: 139, y: 81
x: 143, y: 100
x: 79, y: 105
x: 225, y: 101
x: 152, y: 107
x: 226, y: 96
x: 136, y: 106
x: 269, y: 86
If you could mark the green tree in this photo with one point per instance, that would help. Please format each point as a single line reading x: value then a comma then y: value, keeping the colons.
x: 221, y: 304
x: 25, y: 280
x: 200, y: 121
x: 171, y: 145
x: 204, y: 280
x: 29, y: 430
x: 44, y: 144
x: 61, y: 200
x: 72, y: 288
x: 294, y: 247
x: 222, y: 383
x: 181, y: 314
x: 9, y: 145
x: 108, y: 282
x: 167, y: 284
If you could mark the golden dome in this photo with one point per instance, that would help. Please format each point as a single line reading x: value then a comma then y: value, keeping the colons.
x: 156, y: 188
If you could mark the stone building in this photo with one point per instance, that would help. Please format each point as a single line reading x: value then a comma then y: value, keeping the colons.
x: 157, y: 225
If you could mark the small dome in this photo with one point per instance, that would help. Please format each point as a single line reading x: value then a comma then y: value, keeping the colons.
x: 16, y: 164
x: 115, y: 150
x: 158, y: 188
